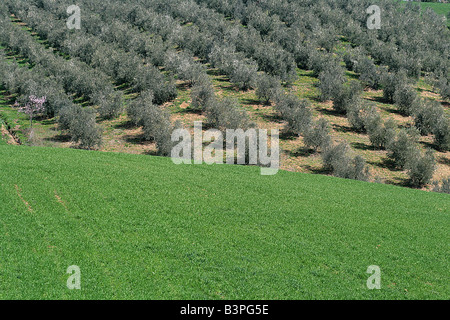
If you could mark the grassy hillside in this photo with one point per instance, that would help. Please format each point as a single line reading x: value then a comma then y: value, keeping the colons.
x: 141, y: 227
x: 440, y: 8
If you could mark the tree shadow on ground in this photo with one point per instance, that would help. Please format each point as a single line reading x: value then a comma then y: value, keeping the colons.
x: 444, y: 160
x: 125, y: 125
x: 386, y: 163
x: 151, y: 153
x: 135, y: 139
x: 302, y: 152
x: 213, y: 72
x: 429, y: 145
x: 274, y: 117
x: 250, y: 101
x: 400, y: 182
x: 288, y: 135
x: 184, y: 86
x: 9, y: 99
x: 46, y: 121
x: 362, y: 146
x: 379, y: 100
x: 189, y: 110
x: 331, y: 112
x: 321, y: 170
x: 60, y: 138
x: 344, y: 129
x: 391, y: 109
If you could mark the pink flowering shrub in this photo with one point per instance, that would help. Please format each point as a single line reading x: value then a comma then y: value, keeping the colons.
x: 34, y: 106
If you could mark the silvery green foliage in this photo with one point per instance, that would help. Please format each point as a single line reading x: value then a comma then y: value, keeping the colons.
x: 346, y: 96
x: 25, y: 82
x: 442, y: 188
x: 407, y: 26
x: 154, y: 120
x: 351, y: 57
x: 404, y: 97
x: 244, y: 74
x: 110, y: 106
x: 242, y: 71
x: 226, y: 114
x: 368, y: 72
x: 74, y: 76
x: 426, y: 114
x: 443, y: 85
x: 338, y: 160
x: 209, y: 28
x: 184, y: 66
x: 331, y: 83
x: 417, y: 36
x: 318, y: 136
x: 402, y: 149
x: 276, y: 62
x: 430, y: 118
x: 441, y: 131
x: 268, y: 88
x: 202, y: 94
x: 124, y: 66
x: 67, y: 115
x: 380, y: 133
x: 420, y: 168
x: 137, y: 106
x: 392, y: 82
x: 193, y: 39
x: 157, y: 126
x: 81, y: 126
x: 296, y: 112
x: 357, y: 114
x: 260, y: 20
x: 320, y: 62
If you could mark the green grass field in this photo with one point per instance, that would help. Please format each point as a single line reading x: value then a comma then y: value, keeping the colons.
x: 140, y: 227
x: 440, y: 8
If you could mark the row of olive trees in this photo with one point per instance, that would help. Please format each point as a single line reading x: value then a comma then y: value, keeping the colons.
x: 402, y: 148
x: 421, y: 38
x: 240, y: 70
x: 154, y: 120
x: 23, y: 82
x: 397, y: 87
x: 429, y: 116
x: 271, y: 57
x: 210, y: 28
x: 346, y: 99
x: 337, y: 158
x: 73, y: 75
x: 275, y: 18
x: 322, y: 21
x: 78, y: 122
x: 297, y: 43
x: 124, y: 67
